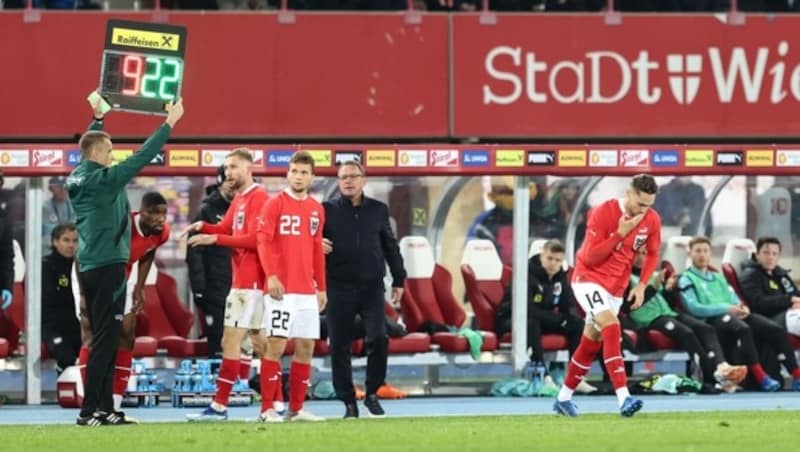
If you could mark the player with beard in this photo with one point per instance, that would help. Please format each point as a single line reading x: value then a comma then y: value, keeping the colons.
x: 615, y: 231
x: 244, y: 309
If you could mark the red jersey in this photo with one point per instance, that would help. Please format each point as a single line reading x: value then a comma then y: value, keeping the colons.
x: 142, y: 244
x: 290, y: 243
x: 606, y: 258
x: 238, y: 231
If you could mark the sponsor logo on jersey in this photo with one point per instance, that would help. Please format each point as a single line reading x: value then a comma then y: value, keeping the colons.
x: 238, y: 222
x: 639, y: 240
x: 314, y: 223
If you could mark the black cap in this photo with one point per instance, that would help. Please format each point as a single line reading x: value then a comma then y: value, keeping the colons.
x: 58, y: 180
x: 220, y: 174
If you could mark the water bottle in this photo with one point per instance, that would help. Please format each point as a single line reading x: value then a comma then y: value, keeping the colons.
x: 21, y: 342
x: 132, y: 382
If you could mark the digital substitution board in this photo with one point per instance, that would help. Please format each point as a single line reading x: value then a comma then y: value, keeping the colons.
x: 142, y: 66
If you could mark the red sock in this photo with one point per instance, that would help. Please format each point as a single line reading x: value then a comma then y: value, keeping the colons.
x: 278, y: 396
x: 244, y: 368
x: 758, y: 372
x: 298, y: 385
x: 227, y: 377
x: 269, y: 384
x: 122, y: 370
x: 581, y: 361
x: 796, y: 373
x: 83, y: 358
x: 612, y: 355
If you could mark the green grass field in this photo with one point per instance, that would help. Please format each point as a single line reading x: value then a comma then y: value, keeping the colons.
x: 713, y: 431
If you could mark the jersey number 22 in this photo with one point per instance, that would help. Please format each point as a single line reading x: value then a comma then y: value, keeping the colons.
x: 290, y: 225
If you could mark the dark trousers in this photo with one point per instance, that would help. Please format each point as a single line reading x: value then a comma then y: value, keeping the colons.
x: 63, y: 341
x: 694, y: 336
x: 543, y: 321
x: 344, y: 302
x: 756, y: 327
x: 213, y: 307
x: 104, y: 289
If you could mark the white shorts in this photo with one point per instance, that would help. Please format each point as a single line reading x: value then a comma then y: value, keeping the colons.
x: 244, y: 308
x: 594, y: 299
x: 294, y: 316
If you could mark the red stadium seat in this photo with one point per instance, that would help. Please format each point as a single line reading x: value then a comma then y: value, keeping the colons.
x: 198, y: 347
x: 168, y: 320
x: 145, y: 346
x: 428, y: 297
x: 12, y: 320
x: 737, y: 251
x: 659, y: 341
x: 485, y: 280
x: 410, y: 343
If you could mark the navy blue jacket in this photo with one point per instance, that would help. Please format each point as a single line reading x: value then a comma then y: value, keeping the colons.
x: 362, y: 241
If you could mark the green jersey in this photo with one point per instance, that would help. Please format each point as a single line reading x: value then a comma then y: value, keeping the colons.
x: 101, y: 205
x: 705, y: 293
x: 653, y: 308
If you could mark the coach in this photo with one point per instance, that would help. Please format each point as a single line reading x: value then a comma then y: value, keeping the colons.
x: 358, y: 241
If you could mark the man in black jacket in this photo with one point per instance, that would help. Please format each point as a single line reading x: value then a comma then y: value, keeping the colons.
x: 770, y: 291
x: 551, y: 305
x: 61, y: 330
x: 358, y: 241
x: 210, y: 266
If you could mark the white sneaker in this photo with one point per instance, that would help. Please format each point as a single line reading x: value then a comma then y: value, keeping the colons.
x: 271, y: 416
x: 549, y: 384
x: 303, y: 416
x: 585, y: 388
x: 726, y: 373
x: 549, y: 387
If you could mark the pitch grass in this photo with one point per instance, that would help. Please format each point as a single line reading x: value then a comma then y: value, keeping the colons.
x: 776, y: 431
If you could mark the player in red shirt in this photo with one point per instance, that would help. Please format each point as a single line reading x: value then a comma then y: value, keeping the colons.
x: 290, y: 251
x: 615, y: 231
x: 244, y: 308
x: 149, y: 232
